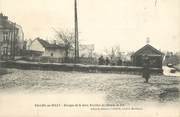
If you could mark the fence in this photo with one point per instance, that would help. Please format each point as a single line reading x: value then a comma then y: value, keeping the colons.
x: 45, y: 59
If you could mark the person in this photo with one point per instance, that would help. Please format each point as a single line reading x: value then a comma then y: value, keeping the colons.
x: 107, y: 61
x: 101, y: 60
x: 146, y: 71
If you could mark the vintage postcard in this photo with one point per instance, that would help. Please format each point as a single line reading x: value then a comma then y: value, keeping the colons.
x: 89, y: 58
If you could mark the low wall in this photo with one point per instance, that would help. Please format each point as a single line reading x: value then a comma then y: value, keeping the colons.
x: 76, y: 67
x: 3, y: 71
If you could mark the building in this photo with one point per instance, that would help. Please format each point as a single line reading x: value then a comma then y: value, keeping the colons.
x: 154, y: 55
x: 46, y: 49
x: 86, y: 50
x: 171, y: 58
x: 11, y: 38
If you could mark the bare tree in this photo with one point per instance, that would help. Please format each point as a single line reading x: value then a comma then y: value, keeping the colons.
x: 67, y: 38
x: 114, y: 52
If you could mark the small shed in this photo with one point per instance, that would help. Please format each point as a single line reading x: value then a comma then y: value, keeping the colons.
x: 154, y: 55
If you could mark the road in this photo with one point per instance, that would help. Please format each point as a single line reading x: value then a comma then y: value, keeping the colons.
x: 114, y: 88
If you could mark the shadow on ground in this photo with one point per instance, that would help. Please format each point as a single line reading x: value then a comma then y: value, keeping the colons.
x: 169, y: 94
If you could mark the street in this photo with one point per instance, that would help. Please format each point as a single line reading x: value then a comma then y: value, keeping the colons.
x: 113, y: 88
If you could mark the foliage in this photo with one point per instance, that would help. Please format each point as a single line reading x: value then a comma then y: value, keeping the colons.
x: 67, y: 38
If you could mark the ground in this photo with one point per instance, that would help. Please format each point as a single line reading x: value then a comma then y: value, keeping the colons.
x: 111, y: 88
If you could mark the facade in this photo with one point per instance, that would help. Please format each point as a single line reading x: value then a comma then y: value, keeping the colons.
x: 45, y: 49
x: 11, y: 38
x: 154, y: 55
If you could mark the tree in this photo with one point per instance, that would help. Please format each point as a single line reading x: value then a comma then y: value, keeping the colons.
x: 114, y: 54
x: 67, y: 38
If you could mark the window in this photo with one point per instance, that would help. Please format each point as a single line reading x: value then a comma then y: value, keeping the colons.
x: 5, y: 37
x: 51, y: 54
x: 5, y: 51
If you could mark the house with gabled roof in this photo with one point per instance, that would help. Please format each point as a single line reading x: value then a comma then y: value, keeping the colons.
x: 47, y: 49
x: 155, y: 56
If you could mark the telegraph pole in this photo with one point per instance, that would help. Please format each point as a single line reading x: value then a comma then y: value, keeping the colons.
x: 76, y: 32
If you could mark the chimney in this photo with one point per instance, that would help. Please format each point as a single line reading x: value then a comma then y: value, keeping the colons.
x: 3, y: 17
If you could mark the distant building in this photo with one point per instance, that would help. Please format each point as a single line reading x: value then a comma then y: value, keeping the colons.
x: 154, y: 55
x: 171, y: 58
x: 86, y: 50
x: 11, y: 38
x: 43, y: 48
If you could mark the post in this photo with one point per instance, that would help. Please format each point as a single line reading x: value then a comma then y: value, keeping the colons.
x: 76, y: 32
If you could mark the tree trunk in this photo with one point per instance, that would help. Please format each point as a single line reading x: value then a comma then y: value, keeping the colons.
x: 66, y: 55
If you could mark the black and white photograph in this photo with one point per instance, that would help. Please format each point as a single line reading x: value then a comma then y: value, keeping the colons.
x: 89, y: 58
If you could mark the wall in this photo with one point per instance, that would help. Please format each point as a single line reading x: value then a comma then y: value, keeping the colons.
x: 6, y: 44
x: 1, y: 36
x: 20, y: 34
x: 79, y: 67
x: 36, y: 46
x: 57, y: 53
x: 1, y: 39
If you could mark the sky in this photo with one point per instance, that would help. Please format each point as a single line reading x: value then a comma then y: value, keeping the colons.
x: 105, y: 23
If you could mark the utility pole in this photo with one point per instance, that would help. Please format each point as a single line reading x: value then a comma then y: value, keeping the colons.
x: 76, y: 32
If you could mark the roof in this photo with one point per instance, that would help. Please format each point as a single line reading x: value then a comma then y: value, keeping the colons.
x: 5, y: 23
x: 46, y: 44
x: 148, y: 47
